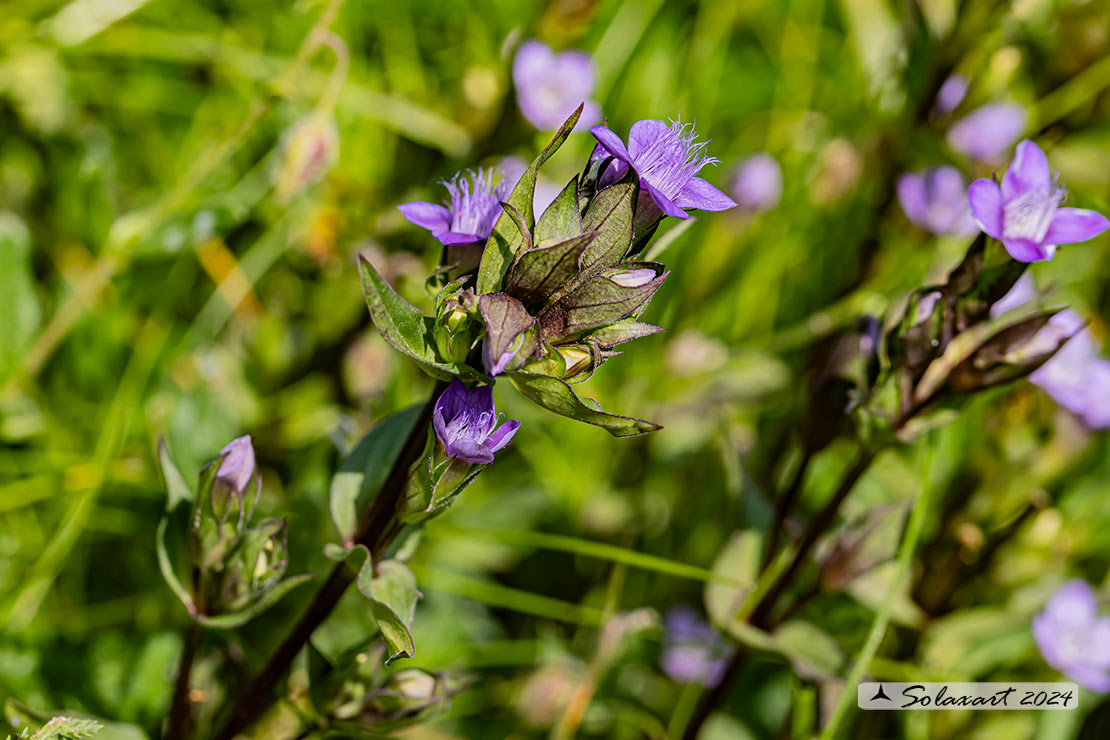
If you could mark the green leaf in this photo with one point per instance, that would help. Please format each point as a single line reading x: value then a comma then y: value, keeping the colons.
x: 506, y: 319
x: 623, y: 331
x: 391, y: 588
x: 600, y: 302
x: 523, y: 226
x: 366, y: 467
x: 268, y: 599
x: 405, y: 327
x: 555, y: 395
x: 812, y: 651
x: 610, y: 214
x: 165, y: 565
x: 177, y: 490
x: 20, y: 312
x: 563, y: 218
x: 538, y: 273
x: 506, y: 239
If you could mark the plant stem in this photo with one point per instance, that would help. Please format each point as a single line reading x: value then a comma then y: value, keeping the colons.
x: 783, y: 505
x: 180, y: 717
x: 376, y: 531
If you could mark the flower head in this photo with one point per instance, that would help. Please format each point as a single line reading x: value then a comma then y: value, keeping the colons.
x: 758, y: 183
x: 667, y: 159
x: 951, y: 93
x: 693, y: 652
x: 936, y: 200
x: 1073, y: 639
x: 1025, y: 214
x: 465, y: 421
x: 475, y: 206
x: 987, y: 132
x: 237, y: 464
x: 550, y: 86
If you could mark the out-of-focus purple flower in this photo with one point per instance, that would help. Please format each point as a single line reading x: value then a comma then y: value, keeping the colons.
x: 936, y: 200
x: 512, y: 167
x: 475, y: 206
x: 1076, y: 377
x: 758, y: 183
x: 1024, y: 213
x: 988, y: 131
x: 465, y: 421
x: 237, y: 466
x: 550, y: 86
x: 310, y: 147
x: 667, y: 159
x: 951, y: 93
x: 693, y: 652
x: 1073, y: 638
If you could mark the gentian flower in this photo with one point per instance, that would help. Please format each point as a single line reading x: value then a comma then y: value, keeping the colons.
x: 758, y: 183
x: 951, y: 94
x: 1024, y: 212
x: 475, y: 206
x: 1073, y: 639
x: 693, y: 652
x: 936, y: 200
x: 550, y: 86
x: 465, y: 421
x: 667, y: 159
x: 988, y: 131
x: 237, y: 465
x: 1076, y: 377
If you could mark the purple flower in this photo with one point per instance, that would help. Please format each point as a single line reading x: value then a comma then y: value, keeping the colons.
x: 475, y: 206
x: 1076, y: 377
x: 667, y: 159
x: 237, y: 465
x: 936, y: 200
x: 758, y: 183
x: 466, y: 423
x: 988, y: 131
x: 1073, y: 639
x: 951, y: 94
x: 693, y: 652
x: 550, y: 86
x: 1024, y: 212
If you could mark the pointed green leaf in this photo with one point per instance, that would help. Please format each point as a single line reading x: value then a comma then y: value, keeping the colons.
x: 506, y: 239
x: 603, y: 301
x: 538, y: 273
x: 365, y: 468
x: 405, y: 327
x: 610, y: 214
x: 177, y: 490
x: 620, y: 332
x: 812, y: 651
x: 555, y: 395
x: 563, y: 218
x: 165, y: 565
x: 391, y: 588
x: 525, y: 227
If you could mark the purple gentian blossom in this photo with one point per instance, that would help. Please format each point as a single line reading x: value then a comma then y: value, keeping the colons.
x: 936, y: 200
x: 1076, y: 377
x: 550, y: 86
x: 1024, y: 213
x: 951, y: 94
x: 1073, y: 638
x: 757, y: 185
x: 475, y: 206
x: 988, y: 131
x: 465, y: 421
x: 237, y: 465
x: 693, y: 652
x: 667, y: 160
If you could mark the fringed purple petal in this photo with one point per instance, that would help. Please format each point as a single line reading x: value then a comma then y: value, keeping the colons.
x: 448, y: 238
x: 986, y: 206
x: 648, y: 133
x: 700, y: 195
x: 1028, y: 171
x: 666, y: 205
x: 470, y: 451
x: 612, y: 143
x: 502, y: 435
x: 1026, y: 250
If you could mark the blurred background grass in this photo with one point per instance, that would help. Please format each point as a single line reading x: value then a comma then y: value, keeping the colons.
x: 154, y: 284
